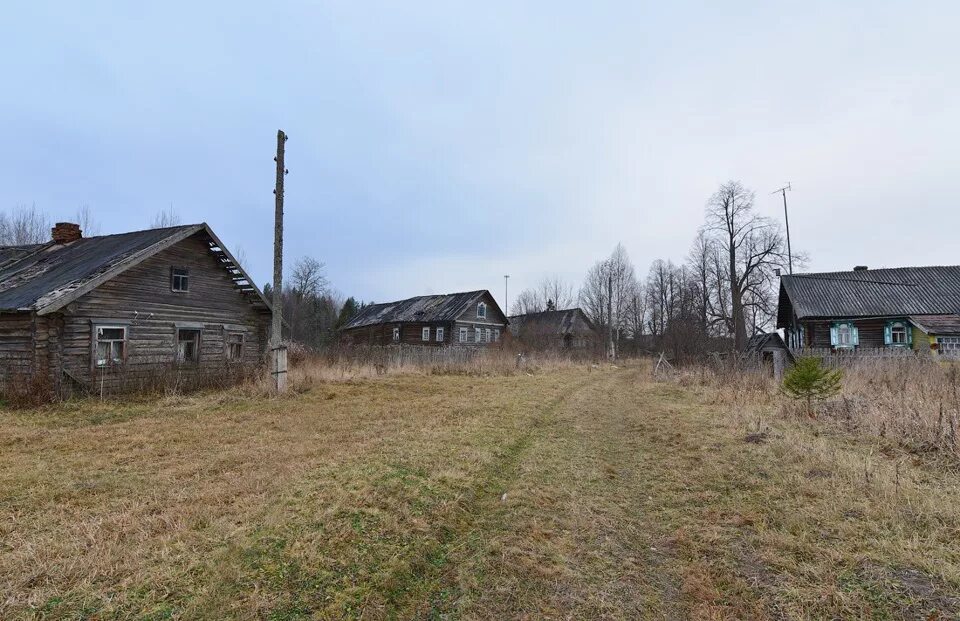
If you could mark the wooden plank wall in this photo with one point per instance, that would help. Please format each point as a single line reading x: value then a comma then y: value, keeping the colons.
x: 16, y: 346
x: 410, y: 334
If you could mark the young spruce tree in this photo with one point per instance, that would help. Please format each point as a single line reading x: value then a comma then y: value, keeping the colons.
x: 809, y: 380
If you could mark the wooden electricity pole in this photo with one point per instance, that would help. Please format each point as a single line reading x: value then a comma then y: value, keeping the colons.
x: 611, y: 348
x: 279, y: 352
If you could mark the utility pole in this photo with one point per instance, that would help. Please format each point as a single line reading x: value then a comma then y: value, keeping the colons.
x: 278, y: 351
x: 506, y: 298
x: 611, y: 348
x: 786, y: 219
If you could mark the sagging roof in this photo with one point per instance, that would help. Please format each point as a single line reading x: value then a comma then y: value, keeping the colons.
x: 443, y: 307
x: 945, y: 325
x: 561, y: 322
x: 47, y: 277
x: 895, y: 292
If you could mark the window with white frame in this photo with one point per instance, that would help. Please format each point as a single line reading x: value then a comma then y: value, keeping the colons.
x: 396, y: 334
x: 463, y: 335
x: 188, y: 345
x: 481, y: 311
x: 486, y: 336
x: 110, y: 345
x: 179, y: 279
x: 425, y: 334
x: 439, y: 335
x: 477, y: 335
x: 844, y: 335
x: 897, y: 334
x: 496, y: 336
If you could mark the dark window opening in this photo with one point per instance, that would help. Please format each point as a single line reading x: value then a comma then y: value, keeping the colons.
x: 110, y: 346
x: 188, y: 345
x: 179, y: 279
x: 234, y: 346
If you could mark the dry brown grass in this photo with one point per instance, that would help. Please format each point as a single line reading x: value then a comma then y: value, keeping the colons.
x: 907, y: 401
x: 570, y: 492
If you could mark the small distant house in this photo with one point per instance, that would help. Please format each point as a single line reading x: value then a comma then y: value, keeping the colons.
x: 469, y: 318
x: 93, y: 312
x: 908, y: 308
x: 560, y: 329
x: 770, y: 350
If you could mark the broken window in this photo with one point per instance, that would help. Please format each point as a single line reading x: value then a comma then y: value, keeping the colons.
x: 481, y: 311
x: 179, y: 279
x: 439, y: 335
x: 110, y: 345
x: 463, y: 335
x: 234, y: 346
x: 396, y: 334
x: 188, y: 345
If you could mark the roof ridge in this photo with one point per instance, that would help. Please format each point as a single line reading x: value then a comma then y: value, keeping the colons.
x: 856, y: 280
x: 428, y: 295
x: 158, y: 228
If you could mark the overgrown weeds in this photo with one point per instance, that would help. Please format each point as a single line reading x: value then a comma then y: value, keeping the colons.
x: 910, y: 401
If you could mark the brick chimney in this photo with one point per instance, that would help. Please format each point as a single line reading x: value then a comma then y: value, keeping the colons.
x: 66, y: 232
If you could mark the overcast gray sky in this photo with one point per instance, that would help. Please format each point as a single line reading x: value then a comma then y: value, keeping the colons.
x: 437, y: 146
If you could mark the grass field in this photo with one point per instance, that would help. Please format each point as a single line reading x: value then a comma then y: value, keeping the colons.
x: 576, y: 493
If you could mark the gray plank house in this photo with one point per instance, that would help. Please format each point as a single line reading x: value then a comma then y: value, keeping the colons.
x: 84, y: 313
x: 471, y: 318
x: 897, y: 310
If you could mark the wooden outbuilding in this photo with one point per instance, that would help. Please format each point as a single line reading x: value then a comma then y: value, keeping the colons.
x: 556, y: 329
x: 106, y: 312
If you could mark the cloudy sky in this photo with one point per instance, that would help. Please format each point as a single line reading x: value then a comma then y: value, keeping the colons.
x: 438, y: 146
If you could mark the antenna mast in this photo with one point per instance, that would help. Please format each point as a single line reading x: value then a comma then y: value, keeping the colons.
x: 786, y: 219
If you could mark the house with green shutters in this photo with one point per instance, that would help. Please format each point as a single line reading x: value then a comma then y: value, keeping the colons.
x: 897, y: 310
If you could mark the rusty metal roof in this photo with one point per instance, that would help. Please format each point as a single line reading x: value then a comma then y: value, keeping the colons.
x: 443, y: 307
x: 44, y: 276
x: 895, y: 292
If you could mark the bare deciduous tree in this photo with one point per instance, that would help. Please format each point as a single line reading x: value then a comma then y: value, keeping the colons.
x: 752, y: 247
x: 307, y: 278
x: 608, y: 291
x: 240, y: 255
x: 551, y: 293
x: 165, y: 218
x: 24, y: 225
x: 89, y: 226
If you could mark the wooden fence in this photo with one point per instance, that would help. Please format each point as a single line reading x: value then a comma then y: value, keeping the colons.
x: 847, y: 357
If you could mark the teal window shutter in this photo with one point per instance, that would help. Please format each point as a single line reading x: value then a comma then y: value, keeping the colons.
x: 833, y: 335
x: 888, y: 334
x: 909, y: 334
x: 854, y: 336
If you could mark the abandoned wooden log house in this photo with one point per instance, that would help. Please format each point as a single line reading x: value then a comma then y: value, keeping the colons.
x: 893, y: 311
x: 556, y: 329
x: 471, y: 318
x: 113, y: 310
